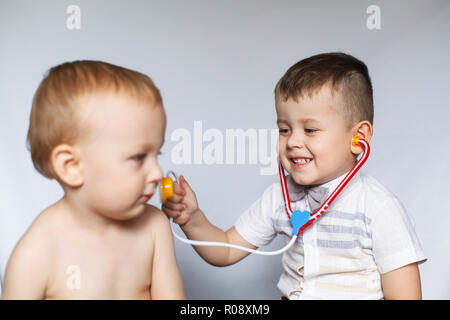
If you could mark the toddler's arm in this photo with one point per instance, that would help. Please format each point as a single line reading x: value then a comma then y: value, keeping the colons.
x: 166, y: 278
x: 183, y: 208
x: 27, y: 271
x: 402, y: 283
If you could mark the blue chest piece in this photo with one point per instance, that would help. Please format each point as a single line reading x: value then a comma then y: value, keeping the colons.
x: 298, y: 220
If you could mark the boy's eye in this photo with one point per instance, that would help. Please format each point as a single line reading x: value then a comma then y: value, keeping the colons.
x: 281, y: 131
x: 310, y: 130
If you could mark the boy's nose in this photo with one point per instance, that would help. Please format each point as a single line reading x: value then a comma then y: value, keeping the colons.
x: 295, y: 141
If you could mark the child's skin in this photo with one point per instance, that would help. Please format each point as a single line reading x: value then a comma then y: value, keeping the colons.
x: 310, y: 128
x: 122, y: 246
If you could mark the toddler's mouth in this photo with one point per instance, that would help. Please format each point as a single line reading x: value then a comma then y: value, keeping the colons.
x: 144, y: 198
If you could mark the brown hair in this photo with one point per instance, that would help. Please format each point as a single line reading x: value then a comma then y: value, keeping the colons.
x: 58, y: 97
x: 346, y: 75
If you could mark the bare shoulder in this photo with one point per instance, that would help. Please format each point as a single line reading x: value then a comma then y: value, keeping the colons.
x: 30, y: 261
x: 153, y: 225
x: 155, y: 220
x: 37, y: 241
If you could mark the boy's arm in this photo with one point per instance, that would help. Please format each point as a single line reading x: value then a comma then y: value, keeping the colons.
x: 402, y: 283
x: 166, y: 278
x: 394, y: 244
x: 27, y: 270
x: 183, y: 208
x: 199, y: 228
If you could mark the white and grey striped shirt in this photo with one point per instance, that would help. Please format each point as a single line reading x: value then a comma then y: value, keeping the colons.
x: 365, y: 232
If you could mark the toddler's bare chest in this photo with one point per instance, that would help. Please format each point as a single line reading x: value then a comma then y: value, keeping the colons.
x: 95, y: 270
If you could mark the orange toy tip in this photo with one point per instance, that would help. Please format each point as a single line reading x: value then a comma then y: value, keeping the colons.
x: 166, y: 188
x: 355, y: 141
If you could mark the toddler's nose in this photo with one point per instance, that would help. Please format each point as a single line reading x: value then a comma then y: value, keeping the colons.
x: 155, y: 174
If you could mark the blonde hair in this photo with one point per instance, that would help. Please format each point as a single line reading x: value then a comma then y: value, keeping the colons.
x: 57, y: 99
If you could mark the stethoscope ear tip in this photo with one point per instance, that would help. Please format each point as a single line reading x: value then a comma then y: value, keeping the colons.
x: 355, y: 141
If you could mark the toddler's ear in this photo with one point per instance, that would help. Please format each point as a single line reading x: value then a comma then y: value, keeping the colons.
x: 66, y: 164
x: 363, y: 129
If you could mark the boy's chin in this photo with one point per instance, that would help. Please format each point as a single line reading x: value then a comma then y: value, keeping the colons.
x: 302, y: 179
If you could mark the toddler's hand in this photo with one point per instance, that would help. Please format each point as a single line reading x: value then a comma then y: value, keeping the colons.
x: 183, y: 203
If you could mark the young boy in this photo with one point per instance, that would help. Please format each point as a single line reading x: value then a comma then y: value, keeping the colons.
x: 364, y: 246
x: 97, y: 129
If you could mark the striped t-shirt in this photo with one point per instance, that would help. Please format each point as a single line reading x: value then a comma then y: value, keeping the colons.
x: 365, y: 232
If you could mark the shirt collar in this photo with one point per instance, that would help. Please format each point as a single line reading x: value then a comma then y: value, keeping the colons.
x: 332, y: 184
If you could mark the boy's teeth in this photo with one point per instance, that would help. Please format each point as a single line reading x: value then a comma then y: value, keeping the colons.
x: 301, y: 160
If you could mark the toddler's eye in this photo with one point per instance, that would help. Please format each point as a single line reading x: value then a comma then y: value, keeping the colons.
x: 139, y: 157
x: 309, y: 130
x: 283, y: 131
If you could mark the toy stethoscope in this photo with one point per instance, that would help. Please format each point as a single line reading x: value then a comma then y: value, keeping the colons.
x: 300, y: 220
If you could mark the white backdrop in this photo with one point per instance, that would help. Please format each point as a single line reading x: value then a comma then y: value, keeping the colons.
x: 216, y: 63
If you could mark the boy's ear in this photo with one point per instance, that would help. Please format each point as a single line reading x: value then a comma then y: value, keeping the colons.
x: 66, y: 164
x: 363, y: 129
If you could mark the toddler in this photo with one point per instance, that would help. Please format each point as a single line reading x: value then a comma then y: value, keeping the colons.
x: 97, y: 129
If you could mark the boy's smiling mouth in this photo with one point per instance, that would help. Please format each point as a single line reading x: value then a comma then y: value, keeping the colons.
x: 300, y: 162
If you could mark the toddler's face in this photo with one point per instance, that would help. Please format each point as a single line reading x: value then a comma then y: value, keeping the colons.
x: 119, y: 155
x: 314, y: 142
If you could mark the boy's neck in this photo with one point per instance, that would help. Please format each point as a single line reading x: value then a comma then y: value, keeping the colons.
x: 338, y: 174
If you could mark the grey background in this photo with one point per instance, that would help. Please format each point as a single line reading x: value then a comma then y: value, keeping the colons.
x: 218, y: 61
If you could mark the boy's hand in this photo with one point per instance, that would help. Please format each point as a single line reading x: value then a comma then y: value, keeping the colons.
x: 183, y: 203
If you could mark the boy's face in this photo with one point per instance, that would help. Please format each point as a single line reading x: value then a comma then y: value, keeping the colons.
x: 119, y: 155
x: 314, y: 141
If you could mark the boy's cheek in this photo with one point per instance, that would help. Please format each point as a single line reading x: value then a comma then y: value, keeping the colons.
x: 284, y: 160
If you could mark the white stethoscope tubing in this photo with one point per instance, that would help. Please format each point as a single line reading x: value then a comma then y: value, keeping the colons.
x: 228, y: 245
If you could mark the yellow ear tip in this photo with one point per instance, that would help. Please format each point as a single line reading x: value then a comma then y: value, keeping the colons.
x: 355, y: 141
x: 166, y: 188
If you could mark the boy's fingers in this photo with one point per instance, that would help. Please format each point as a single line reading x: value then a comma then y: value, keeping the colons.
x: 176, y: 198
x: 174, y: 206
x: 177, y: 189
x: 172, y: 213
x: 185, y: 185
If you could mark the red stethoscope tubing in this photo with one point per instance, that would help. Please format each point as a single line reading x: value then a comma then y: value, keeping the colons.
x: 316, y: 214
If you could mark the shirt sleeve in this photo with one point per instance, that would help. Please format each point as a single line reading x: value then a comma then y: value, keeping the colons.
x: 255, y: 224
x: 395, y: 243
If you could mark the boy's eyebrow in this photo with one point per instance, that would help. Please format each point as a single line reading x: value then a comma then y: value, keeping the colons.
x: 309, y: 120
x: 304, y: 120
